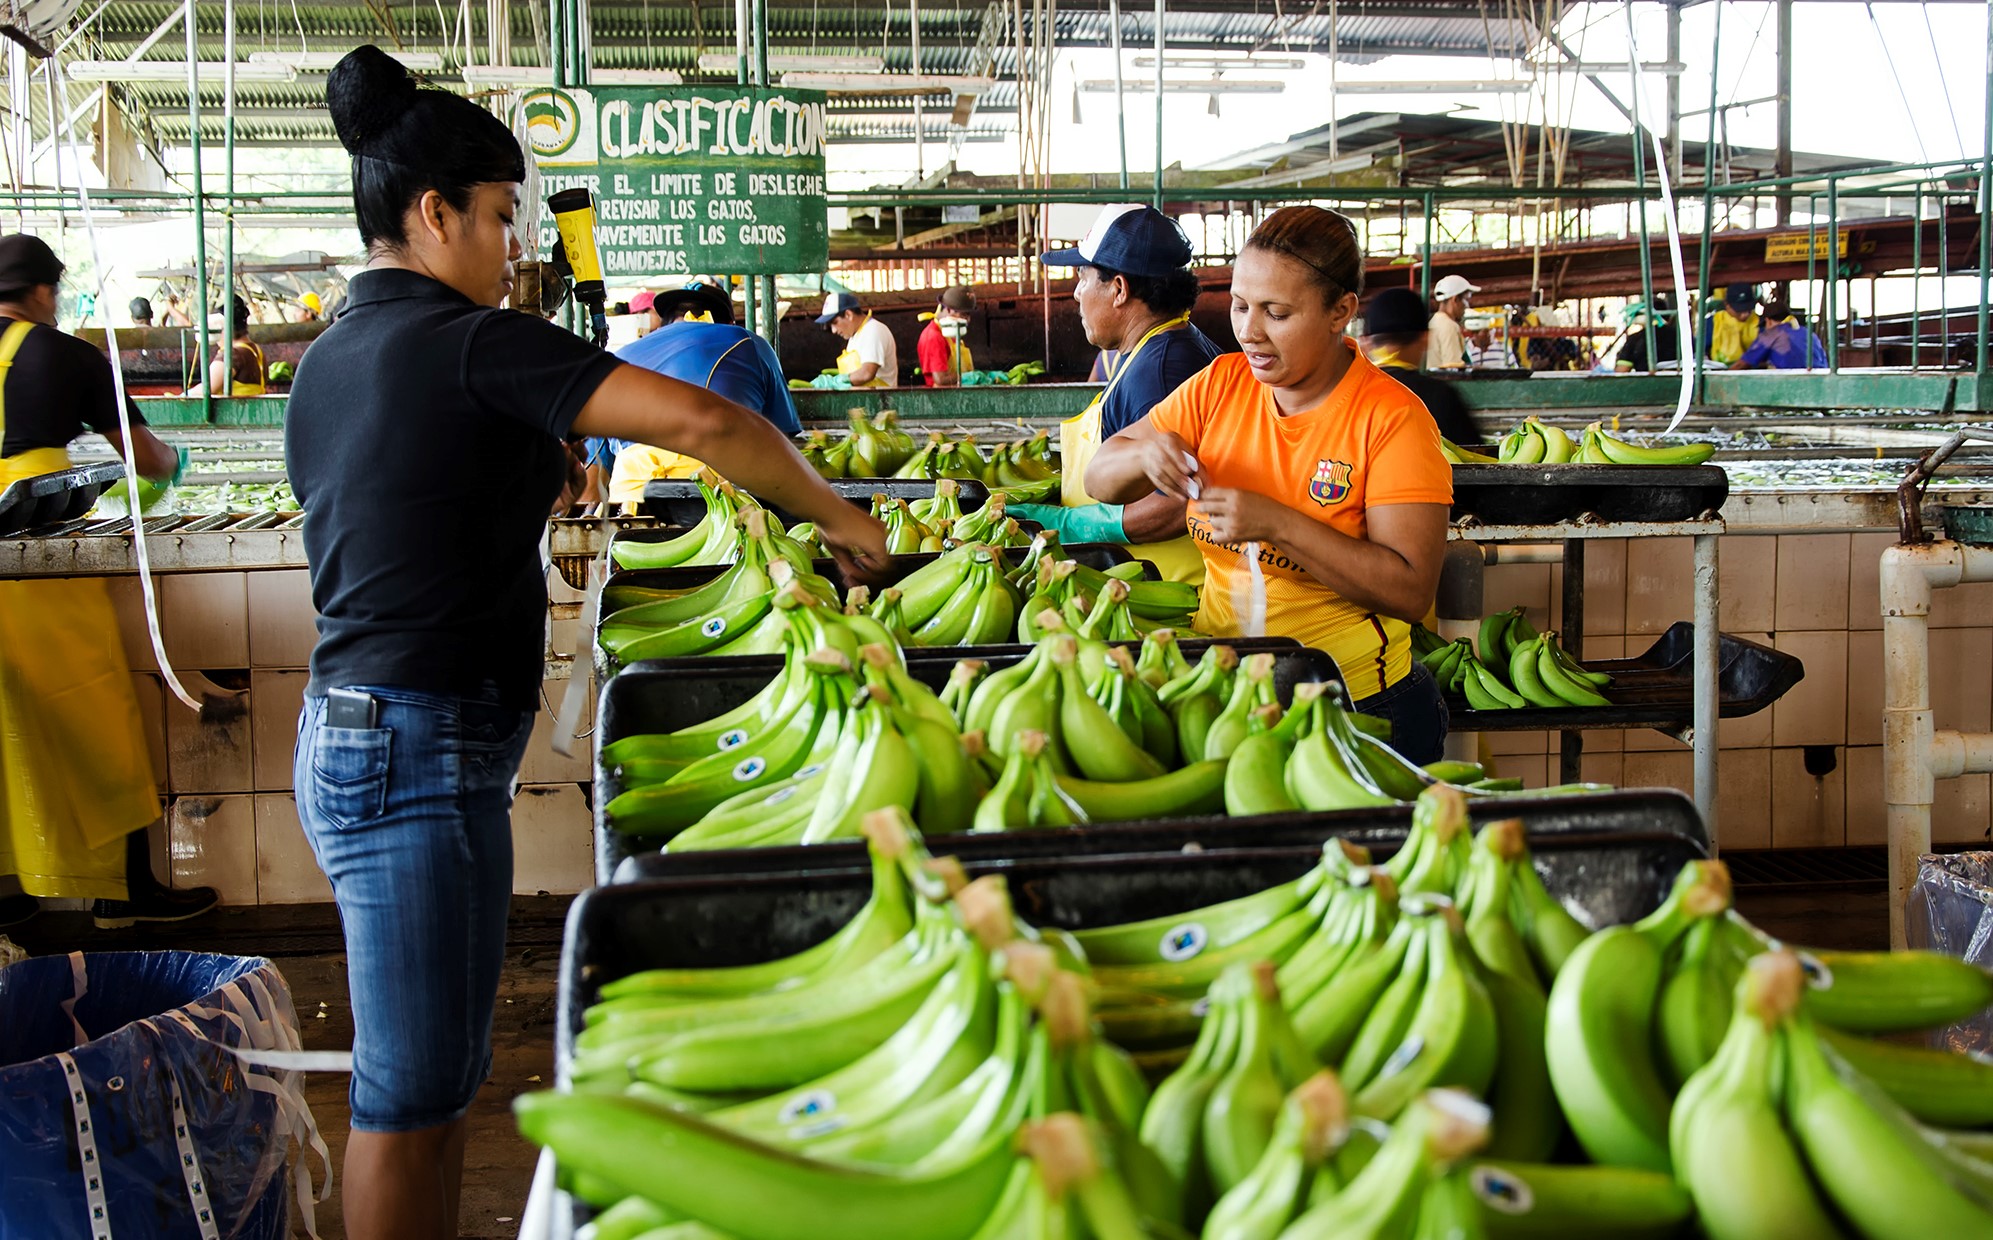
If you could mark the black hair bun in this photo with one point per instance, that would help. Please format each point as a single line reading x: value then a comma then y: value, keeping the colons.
x: 367, y: 93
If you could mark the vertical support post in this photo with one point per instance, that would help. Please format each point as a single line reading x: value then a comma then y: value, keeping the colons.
x: 1640, y: 178
x: 228, y: 185
x: 1834, y: 274
x: 1571, y: 744
x: 1985, y: 198
x: 1916, y: 274
x: 750, y: 289
x: 557, y: 37
x: 1120, y: 114
x: 1674, y: 93
x: 1158, y: 106
x: 1782, y: 158
x: 1701, y: 307
x: 1425, y: 258
x: 771, y: 313
x: 1705, y: 739
x: 200, y: 217
x: 55, y: 130
x: 913, y: 41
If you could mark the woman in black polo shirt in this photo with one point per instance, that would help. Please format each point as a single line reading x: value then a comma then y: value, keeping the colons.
x: 425, y: 439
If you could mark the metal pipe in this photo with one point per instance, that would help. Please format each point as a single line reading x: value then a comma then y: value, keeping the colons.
x: 1120, y: 117
x: 557, y: 42
x: 771, y: 314
x: 1706, y: 738
x: 1425, y: 258
x: 228, y: 184
x: 1640, y: 183
x: 1708, y: 215
x: 1782, y: 157
x: 1916, y: 277
x: 1674, y: 12
x: 200, y: 214
x: 919, y: 117
x: 1158, y: 100
x: 1985, y: 197
x: 1834, y: 274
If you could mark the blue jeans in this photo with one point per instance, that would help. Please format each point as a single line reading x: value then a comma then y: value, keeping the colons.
x: 412, y: 822
x: 1417, y: 713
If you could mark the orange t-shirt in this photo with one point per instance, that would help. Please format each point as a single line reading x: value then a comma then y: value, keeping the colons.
x: 1370, y: 443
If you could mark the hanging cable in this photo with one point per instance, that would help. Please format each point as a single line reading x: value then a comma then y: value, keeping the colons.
x: 1943, y: 86
x: 1902, y: 92
x: 1674, y: 228
x: 148, y: 589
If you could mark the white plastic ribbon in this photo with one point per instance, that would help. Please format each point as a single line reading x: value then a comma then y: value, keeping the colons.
x: 1682, y: 325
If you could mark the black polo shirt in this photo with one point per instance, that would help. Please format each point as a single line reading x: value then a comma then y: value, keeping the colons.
x: 424, y: 441
x: 1441, y: 401
x: 58, y: 386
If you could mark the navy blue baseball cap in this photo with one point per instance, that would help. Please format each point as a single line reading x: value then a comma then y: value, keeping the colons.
x: 836, y: 304
x: 1133, y: 240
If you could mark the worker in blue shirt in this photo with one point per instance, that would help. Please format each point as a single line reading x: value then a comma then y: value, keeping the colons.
x: 1783, y: 343
x: 700, y: 344
x: 1135, y: 291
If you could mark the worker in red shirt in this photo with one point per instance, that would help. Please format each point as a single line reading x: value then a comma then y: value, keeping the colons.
x: 943, y: 347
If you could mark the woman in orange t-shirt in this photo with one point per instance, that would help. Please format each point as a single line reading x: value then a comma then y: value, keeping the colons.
x: 1301, y: 445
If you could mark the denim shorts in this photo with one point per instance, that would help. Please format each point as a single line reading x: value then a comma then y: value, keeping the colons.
x: 412, y: 822
x: 1417, y: 713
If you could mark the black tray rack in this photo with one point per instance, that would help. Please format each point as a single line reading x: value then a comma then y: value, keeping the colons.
x: 50, y: 498
x: 663, y: 695
x: 1548, y: 494
x: 1655, y: 689
x: 677, y: 501
x: 1612, y: 876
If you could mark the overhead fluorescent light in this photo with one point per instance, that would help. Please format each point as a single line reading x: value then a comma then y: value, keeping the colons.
x: 890, y: 83
x: 1496, y: 86
x: 1222, y: 63
x: 785, y: 62
x: 322, y: 62
x: 172, y: 71
x: 1216, y: 86
x: 533, y: 75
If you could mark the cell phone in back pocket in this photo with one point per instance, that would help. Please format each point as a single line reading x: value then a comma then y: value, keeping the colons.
x: 350, y: 708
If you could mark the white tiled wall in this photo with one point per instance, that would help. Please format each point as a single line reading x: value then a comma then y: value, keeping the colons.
x: 1815, y: 597
x: 231, y: 821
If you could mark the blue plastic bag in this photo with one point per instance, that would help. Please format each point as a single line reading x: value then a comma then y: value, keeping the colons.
x: 124, y: 1112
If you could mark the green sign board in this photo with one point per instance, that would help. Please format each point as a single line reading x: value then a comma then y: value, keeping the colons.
x: 689, y: 180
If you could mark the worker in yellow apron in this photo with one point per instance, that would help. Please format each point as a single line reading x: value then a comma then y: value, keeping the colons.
x: 871, y: 357
x: 238, y: 368
x: 1135, y: 292
x: 943, y: 346
x: 76, y: 779
x: 1728, y: 331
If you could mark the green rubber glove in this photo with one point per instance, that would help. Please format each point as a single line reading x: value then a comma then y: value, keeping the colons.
x: 180, y: 458
x: 1091, y: 523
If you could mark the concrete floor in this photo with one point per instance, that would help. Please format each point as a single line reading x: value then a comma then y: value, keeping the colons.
x: 499, y: 1166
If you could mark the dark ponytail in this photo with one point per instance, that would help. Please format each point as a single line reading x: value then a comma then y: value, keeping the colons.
x: 406, y: 140
x: 1321, y: 240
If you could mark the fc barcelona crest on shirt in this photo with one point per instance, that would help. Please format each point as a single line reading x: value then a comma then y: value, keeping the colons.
x: 1330, y: 485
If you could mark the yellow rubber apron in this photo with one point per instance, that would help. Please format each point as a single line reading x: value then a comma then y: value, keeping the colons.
x: 75, y: 774
x: 849, y: 361
x: 1177, y: 559
x: 237, y: 387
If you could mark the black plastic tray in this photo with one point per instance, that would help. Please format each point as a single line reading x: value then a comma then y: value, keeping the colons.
x: 1548, y: 494
x: 1379, y: 828
x: 63, y: 495
x: 1656, y: 688
x: 676, y: 501
x: 613, y: 931
x: 663, y: 695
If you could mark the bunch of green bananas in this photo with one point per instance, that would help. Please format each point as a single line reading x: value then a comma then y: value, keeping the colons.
x: 1639, y: 1011
x: 875, y: 1084
x: 1458, y: 455
x: 906, y: 533
x: 988, y: 524
x: 1599, y: 448
x: 715, y: 539
x: 1533, y: 442
x: 942, y: 458
x: 734, y: 613
x: 1781, y: 1134
x: 1515, y: 667
x: 964, y: 597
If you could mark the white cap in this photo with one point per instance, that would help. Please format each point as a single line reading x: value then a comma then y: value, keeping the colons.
x: 1453, y: 286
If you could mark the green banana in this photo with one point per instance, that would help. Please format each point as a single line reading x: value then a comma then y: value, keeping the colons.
x: 1939, y: 1087
x: 1532, y: 1201
x: 1173, y: 1123
x: 1239, y: 1115
x: 1598, y: 1036
x: 1446, y: 1042
x: 1256, y: 776
x: 1618, y: 452
x: 1099, y: 749
x: 1383, y: 1200
x: 1189, y: 791
x: 1180, y: 936
x: 1728, y: 1139
x: 1562, y: 684
x: 1493, y: 643
x: 1879, y: 992
x: 1312, y: 1125
x: 1694, y: 1010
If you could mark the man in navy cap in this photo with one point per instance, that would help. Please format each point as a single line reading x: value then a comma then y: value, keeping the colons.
x: 1728, y: 331
x: 871, y: 357
x: 1135, y: 291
